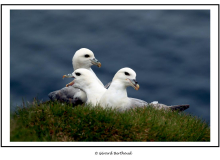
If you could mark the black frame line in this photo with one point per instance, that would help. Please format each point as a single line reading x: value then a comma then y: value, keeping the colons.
x: 116, y: 4
x: 111, y: 5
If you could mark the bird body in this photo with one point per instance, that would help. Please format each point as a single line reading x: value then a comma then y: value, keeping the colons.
x: 83, y: 58
x: 116, y: 95
x: 87, y: 88
x: 88, y: 83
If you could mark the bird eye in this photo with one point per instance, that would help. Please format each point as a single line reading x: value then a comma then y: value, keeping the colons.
x: 86, y: 55
x: 127, y: 74
x: 78, y: 74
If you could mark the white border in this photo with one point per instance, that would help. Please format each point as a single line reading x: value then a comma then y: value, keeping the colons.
x: 110, y: 7
x: 6, y: 76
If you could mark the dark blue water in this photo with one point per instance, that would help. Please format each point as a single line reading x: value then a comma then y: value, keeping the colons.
x: 168, y: 49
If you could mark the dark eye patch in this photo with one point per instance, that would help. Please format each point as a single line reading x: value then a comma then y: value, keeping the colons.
x: 86, y: 55
x: 127, y: 74
x: 78, y: 74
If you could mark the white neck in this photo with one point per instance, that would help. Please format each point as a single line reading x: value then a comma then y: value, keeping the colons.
x: 118, y: 88
x: 77, y: 66
x: 96, y: 77
x: 94, y: 92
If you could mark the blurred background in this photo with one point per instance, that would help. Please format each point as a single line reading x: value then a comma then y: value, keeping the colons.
x: 168, y: 49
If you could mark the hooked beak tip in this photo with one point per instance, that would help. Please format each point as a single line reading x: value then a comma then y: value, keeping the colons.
x: 96, y: 62
x: 99, y: 64
x: 134, y: 84
x: 137, y: 87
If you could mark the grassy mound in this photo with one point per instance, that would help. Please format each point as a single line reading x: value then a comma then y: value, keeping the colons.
x: 54, y: 121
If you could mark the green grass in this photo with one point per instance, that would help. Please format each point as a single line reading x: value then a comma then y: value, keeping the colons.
x: 53, y: 121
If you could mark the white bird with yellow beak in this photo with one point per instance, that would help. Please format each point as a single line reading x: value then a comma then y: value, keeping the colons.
x: 116, y: 95
x: 88, y: 83
x: 83, y: 58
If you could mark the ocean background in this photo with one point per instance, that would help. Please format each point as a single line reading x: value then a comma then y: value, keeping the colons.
x: 168, y: 49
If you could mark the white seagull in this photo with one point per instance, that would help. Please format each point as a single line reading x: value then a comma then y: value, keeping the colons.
x: 87, y: 82
x: 116, y: 95
x: 83, y: 58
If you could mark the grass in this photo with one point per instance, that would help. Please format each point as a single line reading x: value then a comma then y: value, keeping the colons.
x: 54, y: 121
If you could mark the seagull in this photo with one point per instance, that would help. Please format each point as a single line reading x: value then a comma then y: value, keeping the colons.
x: 83, y: 58
x: 116, y: 94
x: 88, y: 83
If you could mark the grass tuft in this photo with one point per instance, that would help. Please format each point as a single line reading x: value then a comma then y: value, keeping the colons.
x: 53, y: 121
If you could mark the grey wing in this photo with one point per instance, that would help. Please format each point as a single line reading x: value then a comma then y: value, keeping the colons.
x: 140, y: 103
x: 137, y: 103
x: 67, y: 94
x: 179, y: 108
x: 133, y: 103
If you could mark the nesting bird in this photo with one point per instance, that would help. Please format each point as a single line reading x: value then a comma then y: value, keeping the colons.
x: 87, y: 82
x: 87, y: 88
x: 83, y: 58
